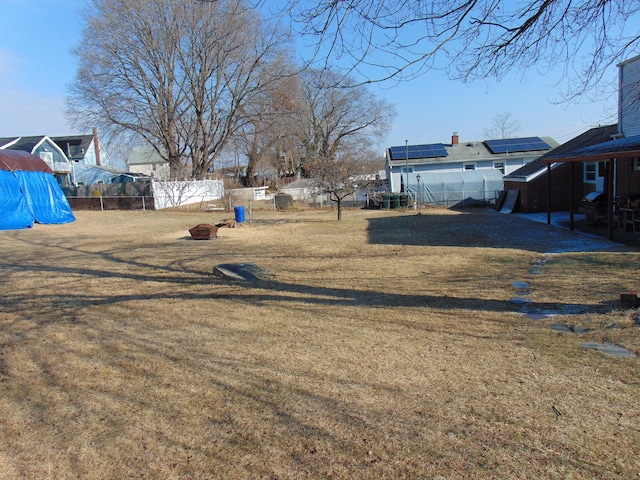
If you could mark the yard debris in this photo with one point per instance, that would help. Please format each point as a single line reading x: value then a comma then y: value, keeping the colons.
x: 227, y: 222
x: 556, y: 411
x: 629, y: 299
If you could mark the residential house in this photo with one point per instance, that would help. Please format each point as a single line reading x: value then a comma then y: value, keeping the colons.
x: 532, y: 182
x: 145, y: 160
x: 45, y: 148
x: 74, y: 159
x: 90, y: 160
x: 458, y: 171
x: 615, y: 160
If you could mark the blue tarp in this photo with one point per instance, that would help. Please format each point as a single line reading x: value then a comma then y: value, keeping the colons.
x: 14, y: 210
x: 27, y: 197
x: 45, y: 198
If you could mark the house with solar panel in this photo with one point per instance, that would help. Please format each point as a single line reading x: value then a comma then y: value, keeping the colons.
x: 459, y: 172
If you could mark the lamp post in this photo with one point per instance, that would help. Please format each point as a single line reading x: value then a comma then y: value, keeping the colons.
x: 418, y: 190
x: 406, y: 165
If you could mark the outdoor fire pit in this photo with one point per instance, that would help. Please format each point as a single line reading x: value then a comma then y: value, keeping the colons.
x: 204, y: 231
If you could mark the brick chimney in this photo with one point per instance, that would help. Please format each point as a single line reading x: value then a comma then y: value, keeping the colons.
x: 454, y: 138
x: 96, y: 144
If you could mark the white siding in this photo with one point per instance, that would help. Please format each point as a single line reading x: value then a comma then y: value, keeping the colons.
x: 629, y: 99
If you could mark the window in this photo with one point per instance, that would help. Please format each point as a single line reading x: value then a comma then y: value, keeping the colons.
x: 594, y: 172
x: 590, y: 172
x: 469, y: 166
x: 47, y: 157
x: 499, y: 166
x: 636, y: 163
x: 407, y: 170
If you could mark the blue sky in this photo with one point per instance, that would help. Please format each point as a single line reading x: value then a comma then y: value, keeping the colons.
x: 37, y: 65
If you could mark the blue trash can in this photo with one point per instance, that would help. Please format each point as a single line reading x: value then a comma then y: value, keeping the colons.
x: 239, y: 212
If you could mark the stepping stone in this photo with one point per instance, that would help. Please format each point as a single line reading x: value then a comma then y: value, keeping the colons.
x: 609, y: 349
x: 242, y: 271
x: 520, y: 300
x: 521, y: 288
x: 563, y: 327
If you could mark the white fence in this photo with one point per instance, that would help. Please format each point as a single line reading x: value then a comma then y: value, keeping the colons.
x: 177, y: 194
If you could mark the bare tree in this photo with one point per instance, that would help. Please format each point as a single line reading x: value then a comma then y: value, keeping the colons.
x: 174, y: 73
x: 335, y: 117
x: 399, y: 39
x: 337, y: 125
x: 336, y: 176
x: 271, y: 115
x: 503, y: 125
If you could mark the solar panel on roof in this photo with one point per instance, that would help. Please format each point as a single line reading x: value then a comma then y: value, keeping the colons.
x: 418, y: 151
x: 507, y: 145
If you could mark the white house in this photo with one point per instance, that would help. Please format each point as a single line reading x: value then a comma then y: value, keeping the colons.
x: 628, y: 97
x: 449, y: 173
x: 145, y: 160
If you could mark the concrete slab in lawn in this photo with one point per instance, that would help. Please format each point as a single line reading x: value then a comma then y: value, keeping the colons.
x: 247, y: 272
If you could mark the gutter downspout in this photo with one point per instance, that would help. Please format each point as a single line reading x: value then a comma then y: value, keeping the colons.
x: 548, y: 194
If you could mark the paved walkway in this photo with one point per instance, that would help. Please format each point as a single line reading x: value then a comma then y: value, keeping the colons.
x: 594, y: 237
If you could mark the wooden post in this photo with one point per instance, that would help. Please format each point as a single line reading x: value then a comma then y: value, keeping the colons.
x: 610, y: 198
x: 548, y: 194
x: 571, y: 206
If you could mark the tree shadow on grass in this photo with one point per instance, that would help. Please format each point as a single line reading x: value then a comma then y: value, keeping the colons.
x: 251, y: 292
x: 419, y: 229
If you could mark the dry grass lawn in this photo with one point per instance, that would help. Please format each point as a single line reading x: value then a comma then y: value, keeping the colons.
x: 385, y: 347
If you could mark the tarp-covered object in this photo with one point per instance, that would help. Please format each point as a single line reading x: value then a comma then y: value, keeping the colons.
x: 453, y: 187
x: 29, y: 192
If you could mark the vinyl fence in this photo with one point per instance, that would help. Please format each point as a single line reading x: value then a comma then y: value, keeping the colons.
x: 177, y: 194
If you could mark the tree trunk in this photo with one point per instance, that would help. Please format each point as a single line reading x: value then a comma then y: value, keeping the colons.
x: 339, y: 209
x: 250, y: 179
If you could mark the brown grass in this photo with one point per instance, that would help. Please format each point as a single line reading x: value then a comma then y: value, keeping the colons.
x: 386, y: 347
